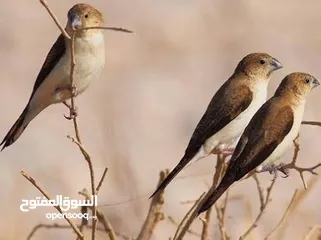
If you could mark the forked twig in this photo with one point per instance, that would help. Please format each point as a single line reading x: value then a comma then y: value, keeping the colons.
x: 34, y: 183
x: 300, y: 170
x: 262, y: 207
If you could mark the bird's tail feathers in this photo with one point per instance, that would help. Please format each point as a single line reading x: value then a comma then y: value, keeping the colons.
x: 184, y: 161
x: 217, y: 193
x: 16, y: 130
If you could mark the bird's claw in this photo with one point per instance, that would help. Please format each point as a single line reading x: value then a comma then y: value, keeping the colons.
x: 283, y: 170
x: 274, y: 169
x: 73, y: 114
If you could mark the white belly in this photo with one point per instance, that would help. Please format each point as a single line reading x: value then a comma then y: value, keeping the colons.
x: 281, y: 149
x: 232, y: 131
x: 90, y: 60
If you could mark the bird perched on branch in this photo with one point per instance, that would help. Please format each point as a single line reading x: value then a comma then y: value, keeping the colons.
x: 229, y: 111
x: 269, y: 134
x: 53, y: 81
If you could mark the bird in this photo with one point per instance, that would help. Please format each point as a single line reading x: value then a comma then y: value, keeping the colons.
x: 269, y: 134
x: 229, y: 111
x: 52, y: 84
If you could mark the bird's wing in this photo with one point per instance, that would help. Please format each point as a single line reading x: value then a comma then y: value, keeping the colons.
x: 56, y: 52
x: 225, y: 106
x: 264, y: 133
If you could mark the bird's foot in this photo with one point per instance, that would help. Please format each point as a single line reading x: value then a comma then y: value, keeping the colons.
x: 73, y: 111
x: 274, y: 169
x: 225, y: 152
x: 283, y: 170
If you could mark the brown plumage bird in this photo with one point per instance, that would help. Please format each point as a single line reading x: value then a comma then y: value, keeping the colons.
x: 269, y: 134
x: 229, y: 111
x: 53, y: 81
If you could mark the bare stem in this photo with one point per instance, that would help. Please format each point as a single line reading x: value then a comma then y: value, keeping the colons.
x: 34, y: 183
x: 285, y: 215
x: 262, y: 208
x: 155, y: 214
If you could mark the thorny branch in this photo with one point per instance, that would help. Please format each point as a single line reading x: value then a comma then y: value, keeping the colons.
x: 155, y: 214
x: 34, y: 183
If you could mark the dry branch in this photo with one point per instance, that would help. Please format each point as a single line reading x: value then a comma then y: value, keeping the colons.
x: 171, y: 219
x: 155, y: 212
x: 34, y: 183
x: 300, y: 170
x: 66, y: 226
x: 101, y: 218
x: 182, y: 229
x: 193, y: 212
x: 262, y: 207
x: 284, y: 216
x: 313, y: 123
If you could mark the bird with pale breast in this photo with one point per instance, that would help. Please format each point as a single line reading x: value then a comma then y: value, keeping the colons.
x: 269, y: 134
x: 53, y: 81
x: 229, y: 111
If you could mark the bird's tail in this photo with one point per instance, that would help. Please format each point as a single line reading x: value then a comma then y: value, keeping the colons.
x: 218, y: 192
x: 184, y: 161
x: 17, y: 129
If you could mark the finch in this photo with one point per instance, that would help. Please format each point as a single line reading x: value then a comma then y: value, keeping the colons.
x: 229, y: 111
x: 269, y: 134
x: 53, y: 81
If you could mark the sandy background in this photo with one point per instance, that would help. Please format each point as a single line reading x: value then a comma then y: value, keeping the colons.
x: 138, y: 118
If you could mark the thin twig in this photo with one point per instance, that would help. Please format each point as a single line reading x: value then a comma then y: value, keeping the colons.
x: 262, y: 208
x: 220, y: 213
x: 171, y: 219
x: 34, y: 183
x: 219, y: 171
x: 313, y: 123
x: 84, y: 221
x: 78, y: 142
x: 66, y: 226
x: 101, y: 180
x: 193, y: 212
x: 101, y: 217
x: 155, y: 214
x: 117, y: 29
x: 182, y: 229
x: 53, y: 16
x: 284, y: 216
x: 259, y: 189
x: 300, y: 170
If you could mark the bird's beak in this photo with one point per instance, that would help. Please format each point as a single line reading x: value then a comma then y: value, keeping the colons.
x: 75, y: 21
x: 315, y: 83
x: 275, y: 65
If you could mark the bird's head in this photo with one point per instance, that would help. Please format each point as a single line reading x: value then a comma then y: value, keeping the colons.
x: 84, y: 16
x: 258, y: 66
x: 297, y: 84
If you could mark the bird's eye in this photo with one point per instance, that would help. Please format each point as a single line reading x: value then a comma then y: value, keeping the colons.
x: 262, y: 61
x: 86, y: 15
x: 307, y: 80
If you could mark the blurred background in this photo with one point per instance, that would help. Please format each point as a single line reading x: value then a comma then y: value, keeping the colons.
x: 138, y: 117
